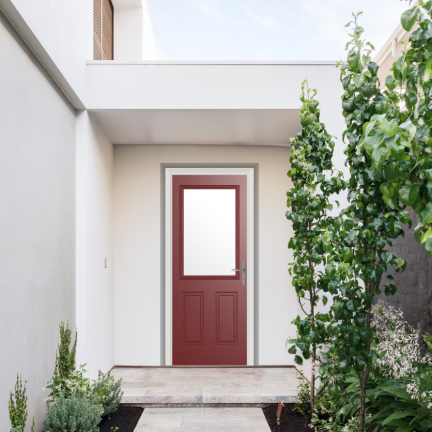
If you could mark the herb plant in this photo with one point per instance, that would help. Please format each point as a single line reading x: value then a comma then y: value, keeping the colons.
x: 72, y: 414
x: 108, y: 393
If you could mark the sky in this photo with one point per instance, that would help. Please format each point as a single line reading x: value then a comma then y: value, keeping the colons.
x: 266, y: 29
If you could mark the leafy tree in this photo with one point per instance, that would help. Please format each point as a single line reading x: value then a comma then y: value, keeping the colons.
x: 359, y: 258
x: 409, y: 168
x: 309, y: 199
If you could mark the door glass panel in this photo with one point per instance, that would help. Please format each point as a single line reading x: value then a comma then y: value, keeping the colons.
x: 209, y: 232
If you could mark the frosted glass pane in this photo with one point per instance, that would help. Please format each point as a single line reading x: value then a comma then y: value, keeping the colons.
x: 209, y: 232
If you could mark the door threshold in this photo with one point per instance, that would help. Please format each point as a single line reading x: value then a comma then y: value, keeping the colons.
x: 205, y: 366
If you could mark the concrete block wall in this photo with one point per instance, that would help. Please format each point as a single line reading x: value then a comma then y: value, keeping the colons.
x: 414, y: 294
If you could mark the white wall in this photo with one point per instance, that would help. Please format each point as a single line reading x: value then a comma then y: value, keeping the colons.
x: 37, y: 223
x: 65, y: 30
x: 128, y: 33
x: 133, y: 32
x: 204, y: 85
x: 137, y: 245
x: 95, y: 289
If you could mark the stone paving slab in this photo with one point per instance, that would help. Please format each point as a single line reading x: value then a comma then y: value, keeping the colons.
x: 146, y: 385
x: 202, y: 420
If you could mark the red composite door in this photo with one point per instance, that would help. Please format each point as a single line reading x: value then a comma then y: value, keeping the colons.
x: 209, y: 241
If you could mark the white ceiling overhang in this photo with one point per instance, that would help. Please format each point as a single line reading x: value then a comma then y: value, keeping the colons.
x: 237, y: 127
x: 251, y: 103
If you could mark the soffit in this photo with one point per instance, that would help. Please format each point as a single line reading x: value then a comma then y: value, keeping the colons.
x: 205, y: 127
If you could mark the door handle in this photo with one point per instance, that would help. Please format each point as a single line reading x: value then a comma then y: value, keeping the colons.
x: 243, y: 269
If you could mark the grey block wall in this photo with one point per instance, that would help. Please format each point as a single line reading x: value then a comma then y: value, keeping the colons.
x: 37, y: 223
x: 414, y: 292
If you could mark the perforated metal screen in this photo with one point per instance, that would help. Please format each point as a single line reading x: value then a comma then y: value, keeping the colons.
x: 103, y: 30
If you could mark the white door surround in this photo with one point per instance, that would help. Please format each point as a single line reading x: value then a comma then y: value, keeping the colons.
x: 169, y: 172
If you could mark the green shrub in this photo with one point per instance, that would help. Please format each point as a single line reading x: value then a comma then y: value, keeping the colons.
x: 65, y: 362
x: 108, y: 392
x: 75, y: 385
x: 303, y: 391
x: 18, y: 408
x: 73, y: 414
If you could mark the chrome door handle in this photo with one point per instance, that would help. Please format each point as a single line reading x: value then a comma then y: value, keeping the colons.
x: 243, y: 269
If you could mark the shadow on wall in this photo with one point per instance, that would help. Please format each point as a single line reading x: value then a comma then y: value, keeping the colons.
x: 414, y: 286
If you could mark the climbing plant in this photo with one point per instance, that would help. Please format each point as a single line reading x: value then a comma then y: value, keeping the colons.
x: 314, y: 180
x: 359, y: 257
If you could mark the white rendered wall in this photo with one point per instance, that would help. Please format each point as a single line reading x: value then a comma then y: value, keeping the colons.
x: 133, y: 32
x: 128, y: 33
x: 137, y: 245
x: 65, y: 30
x: 37, y: 223
x: 211, y: 85
x: 95, y: 289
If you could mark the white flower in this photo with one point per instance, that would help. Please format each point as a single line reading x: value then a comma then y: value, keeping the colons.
x: 400, y: 345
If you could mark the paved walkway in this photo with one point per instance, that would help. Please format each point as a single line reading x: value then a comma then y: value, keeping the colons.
x: 207, y: 386
x: 202, y: 420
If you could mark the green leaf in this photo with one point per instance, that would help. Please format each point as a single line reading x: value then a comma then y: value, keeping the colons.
x: 389, y: 128
x: 324, y: 300
x: 304, y: 328
x: 330, y: 271
x: 428, y: 245
x: 354, y: 60
x: 426, y: 235
x: 352, y: 305
x: 389, y: 82
x: 349, y: 105
x: 387, y: 256
x: 347, y: 255
x: 292, y: 350
x: 358, y: 81
x: 396, y: 390
x: 404, y: 428
x: 392, y: 171
x: 408, y: 18
x: 400, y: 262
x: 314, y: 335
x: 373, y: 141
x: 404, y: 217
x: 379, y: 156
x: 408, y: 194
x: 398, y: 152
x: 327, y: 247
x: 428, y: 71
x: 354, y: 339
x: 398, y: 415
x: 298, y: 360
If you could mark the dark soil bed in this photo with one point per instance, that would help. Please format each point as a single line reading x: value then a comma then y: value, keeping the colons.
x: 292, y: 421
x: 125, y: 418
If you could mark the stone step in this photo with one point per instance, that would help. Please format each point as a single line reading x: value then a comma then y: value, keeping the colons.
x: 167, y: 386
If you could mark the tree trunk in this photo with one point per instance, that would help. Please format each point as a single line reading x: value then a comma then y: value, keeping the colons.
x: 312, y: 309
x: 362, y: 413
x: 312, y: 388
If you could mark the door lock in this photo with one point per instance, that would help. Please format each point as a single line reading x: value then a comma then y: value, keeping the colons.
x: 243, y: 269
